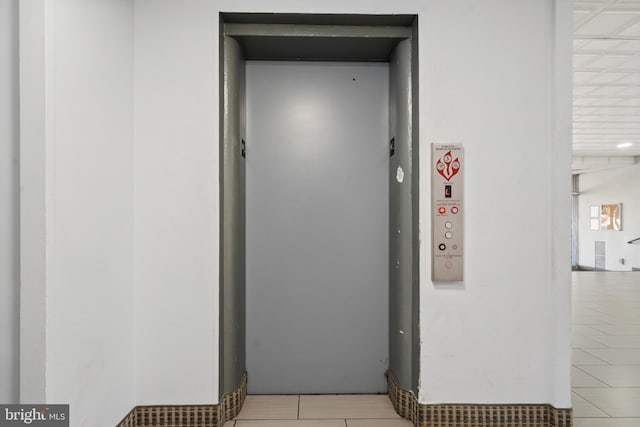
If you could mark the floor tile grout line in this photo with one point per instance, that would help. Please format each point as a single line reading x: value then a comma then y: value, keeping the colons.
x: 597, y: 315
x: 637, y: 387
x: 595, y: 406
x: 299, y: 398
x: 598, y: 341
x: 596, y: 357
x: 595, y: 378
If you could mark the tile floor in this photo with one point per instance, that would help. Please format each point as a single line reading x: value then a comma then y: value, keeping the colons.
x: 606, y: 349
x: 605, y: 373
x: 318, y: 411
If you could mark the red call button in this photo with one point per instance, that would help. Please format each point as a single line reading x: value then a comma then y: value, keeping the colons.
x: 442, y: 210
x: 454, y: 210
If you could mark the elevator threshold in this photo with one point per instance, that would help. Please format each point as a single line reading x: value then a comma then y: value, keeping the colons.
x: 330, y: 410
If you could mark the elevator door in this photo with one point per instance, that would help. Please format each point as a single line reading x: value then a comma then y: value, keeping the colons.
x: 317, y: 226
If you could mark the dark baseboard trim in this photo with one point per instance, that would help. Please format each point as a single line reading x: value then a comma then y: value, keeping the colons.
x: 404, y: 401
x: 476, y: 415
x: 189, y: 415
x: 588, y: 268
x: 585, y: 268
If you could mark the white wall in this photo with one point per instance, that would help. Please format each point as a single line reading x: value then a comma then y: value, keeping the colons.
x: 609, y: 187
x: 9, y: 221
x: 494, y: 76
x: 494, y: 338
x: 176, y: 174
x: 86, y: 111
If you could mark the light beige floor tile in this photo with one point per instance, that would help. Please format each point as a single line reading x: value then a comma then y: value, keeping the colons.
x: 379, y: 423
x: 580, y: 341
x: 346, y: 406
x: 608, y: 303
x: 229, y: 424
x: 617, y: 402
x: 616, y: 356
x: 582, y: 379
x: 615, y: 376
x: 586, y: 330
x: 625, y: 341
x: 582, y: 408
x: 619, y: 329
x: 606, y: 422
x: 581, y: 357
x: 290, y: 423
x: 630, y: 320
x: 271, y: 407
x: 585, y: 320
x: 622, y: 318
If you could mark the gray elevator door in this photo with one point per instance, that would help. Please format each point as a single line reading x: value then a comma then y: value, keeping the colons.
x: 317, y: 227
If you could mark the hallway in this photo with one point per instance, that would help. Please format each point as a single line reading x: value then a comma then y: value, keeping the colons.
x: 605, y: 376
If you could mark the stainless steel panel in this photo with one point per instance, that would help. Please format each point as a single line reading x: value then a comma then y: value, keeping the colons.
x: 317, y: 244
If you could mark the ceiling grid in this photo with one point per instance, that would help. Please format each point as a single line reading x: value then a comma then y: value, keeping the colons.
x: 606, y: 72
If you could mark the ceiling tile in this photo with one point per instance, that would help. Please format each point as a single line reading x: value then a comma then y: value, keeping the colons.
x: 578, y: 43
x: 632, y: 31
x: 605, y: 118
x: 629, y: 46
x: 585, y: 111
x: 607, y: 61
x: 606, y: 23
x: 624, y: 111
x: 599, y: 45
x: 631, y: 63
x: 630, y: 79
x: 629, y: 102
x: 579, y: 15
x: 580, y: 61
x: 606, y: 90
x: 587, y: 101
x: 584, y: 76
x: 608, y: 78
x: 632, y: 91
x: 585, y: 90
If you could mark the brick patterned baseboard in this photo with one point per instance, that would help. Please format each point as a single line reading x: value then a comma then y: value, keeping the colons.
x: 475, y: 415
x: 405, y: 403
x: 189, y: 415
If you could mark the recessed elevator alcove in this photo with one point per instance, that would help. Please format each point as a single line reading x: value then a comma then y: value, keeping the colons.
x: 328, y: 106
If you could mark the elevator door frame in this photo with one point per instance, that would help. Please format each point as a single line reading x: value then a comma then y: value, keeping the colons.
x: 387, y: 38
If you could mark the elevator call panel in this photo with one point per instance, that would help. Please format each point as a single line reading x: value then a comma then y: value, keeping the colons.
x: 447, y: 209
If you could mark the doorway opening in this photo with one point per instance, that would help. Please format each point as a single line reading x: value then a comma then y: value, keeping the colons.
x: 310, y: 269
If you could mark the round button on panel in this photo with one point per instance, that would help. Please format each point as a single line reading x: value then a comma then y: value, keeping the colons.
x: 454, y: 210
x: 442, y: 246
x: 448, y: 234
x: 448, y: 225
